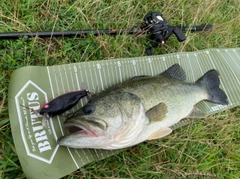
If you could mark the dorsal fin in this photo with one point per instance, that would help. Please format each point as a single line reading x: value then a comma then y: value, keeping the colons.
x: 175, y: 72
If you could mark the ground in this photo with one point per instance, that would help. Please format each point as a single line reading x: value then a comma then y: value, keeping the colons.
x: 204, y: 149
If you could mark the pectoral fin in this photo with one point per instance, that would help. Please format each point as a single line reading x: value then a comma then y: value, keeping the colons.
x: 162, y: 132
x: 196, y: 113
x: 157, y: 113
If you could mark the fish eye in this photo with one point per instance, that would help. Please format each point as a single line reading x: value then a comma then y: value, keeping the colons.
x: 88, y: 109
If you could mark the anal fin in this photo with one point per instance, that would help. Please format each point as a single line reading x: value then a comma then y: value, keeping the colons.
x: 162, y: 132
x: 196, y: 113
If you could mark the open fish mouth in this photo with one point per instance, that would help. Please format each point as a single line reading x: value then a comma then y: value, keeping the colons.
x: 79, y: 127
x: 82, y: 132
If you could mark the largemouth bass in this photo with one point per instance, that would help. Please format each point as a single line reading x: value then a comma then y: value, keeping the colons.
x: 142, y: 108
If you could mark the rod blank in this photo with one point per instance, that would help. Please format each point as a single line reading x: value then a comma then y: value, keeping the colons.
x: 77, y: 33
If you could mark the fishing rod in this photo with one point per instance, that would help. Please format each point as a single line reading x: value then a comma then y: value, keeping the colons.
x: 155, y: 25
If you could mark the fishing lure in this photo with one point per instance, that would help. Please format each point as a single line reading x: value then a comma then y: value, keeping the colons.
x: 62, y: 103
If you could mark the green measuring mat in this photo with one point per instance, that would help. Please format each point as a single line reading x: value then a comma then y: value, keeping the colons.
x: 33, y: 86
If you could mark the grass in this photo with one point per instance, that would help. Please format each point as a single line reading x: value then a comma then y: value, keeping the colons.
x: 205, y: 149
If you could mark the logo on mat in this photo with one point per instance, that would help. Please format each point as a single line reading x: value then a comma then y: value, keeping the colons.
x: 39, y: 141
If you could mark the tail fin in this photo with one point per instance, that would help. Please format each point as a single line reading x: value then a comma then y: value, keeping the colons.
x: 211, y: 82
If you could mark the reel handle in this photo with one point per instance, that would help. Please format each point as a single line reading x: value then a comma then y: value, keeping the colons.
x: 178, y: 33
x: 197, y: 28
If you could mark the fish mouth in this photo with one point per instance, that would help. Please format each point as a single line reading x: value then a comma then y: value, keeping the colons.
x: 80, y: 131
x: 78, y: 127
x: 85, y: 126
